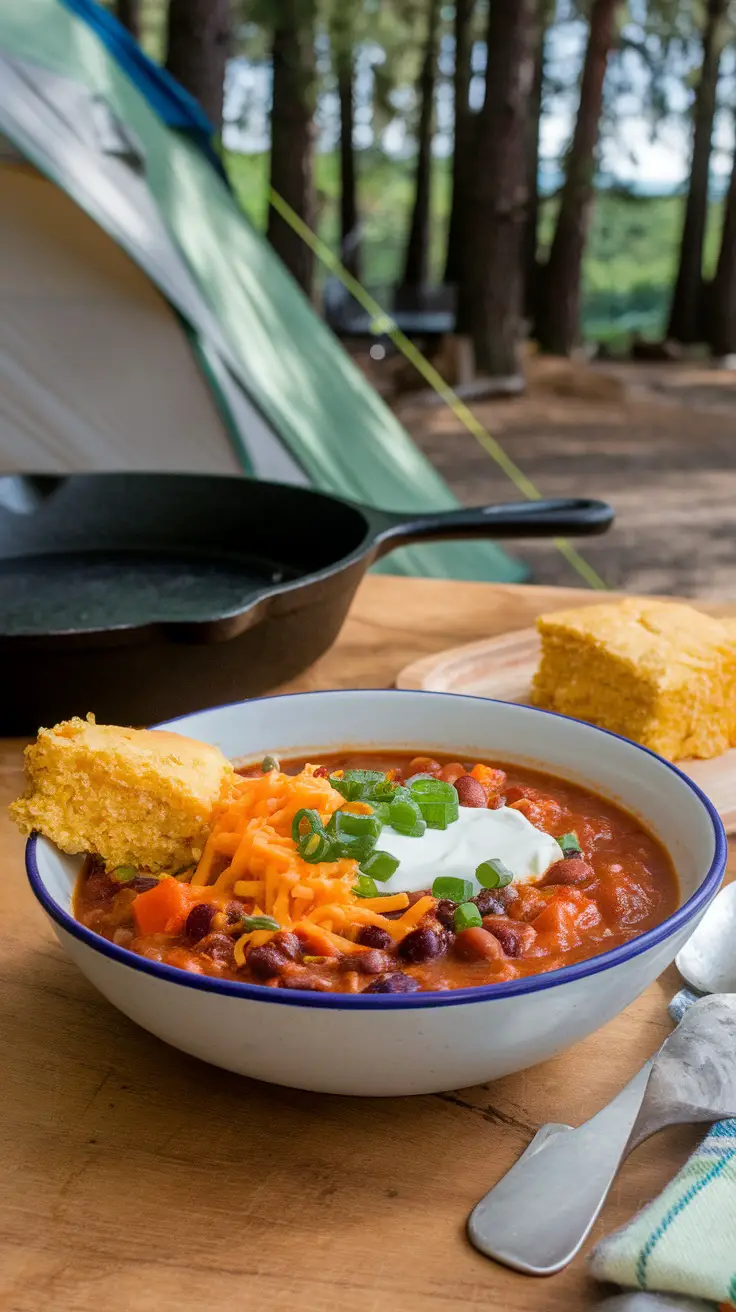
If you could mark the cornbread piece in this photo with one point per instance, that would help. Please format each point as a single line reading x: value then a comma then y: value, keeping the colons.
x: 136, y: 797
x: 659, y: 672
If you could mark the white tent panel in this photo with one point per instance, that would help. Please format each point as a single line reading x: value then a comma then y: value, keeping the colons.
x: 95, y: 371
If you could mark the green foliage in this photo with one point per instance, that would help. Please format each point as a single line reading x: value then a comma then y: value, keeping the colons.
x: 630, y: 260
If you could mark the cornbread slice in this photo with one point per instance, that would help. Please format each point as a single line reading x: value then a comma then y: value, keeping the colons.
x: 136, y: 797
x: 659, y: 672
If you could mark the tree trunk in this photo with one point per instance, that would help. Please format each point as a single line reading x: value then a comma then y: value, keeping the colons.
x: 292, y: 134
x: 531, y: 226
x: 199, y: 40
x: 489, y: 302
x: 416, y: 259
x: 463, y: 139
x: 722, y: 290
x: 128, y: 12
x: 685, y: 324
x: 558, y: 322
x: 349, y: 220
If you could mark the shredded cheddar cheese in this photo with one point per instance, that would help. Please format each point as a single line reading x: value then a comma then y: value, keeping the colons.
x: 250, y: 852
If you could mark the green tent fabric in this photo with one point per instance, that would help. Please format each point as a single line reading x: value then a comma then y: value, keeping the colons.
x: 258, y: 338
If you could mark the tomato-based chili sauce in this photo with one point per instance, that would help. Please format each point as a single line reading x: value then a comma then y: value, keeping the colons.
x: 620, y: 883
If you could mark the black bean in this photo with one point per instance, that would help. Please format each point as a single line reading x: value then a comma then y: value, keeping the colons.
x: 489, y: 903
x: 199, y: 921
x: 423, y: 945
x: 266, y: 961
x: 141, y: 883
x: 372, y: 936
x: 445, y: 913
x: 396, y: 983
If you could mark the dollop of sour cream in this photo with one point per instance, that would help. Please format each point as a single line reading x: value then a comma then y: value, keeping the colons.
x: 478, y: 835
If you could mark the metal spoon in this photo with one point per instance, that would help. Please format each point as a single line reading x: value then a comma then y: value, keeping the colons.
x: 538, y: 1216
x: 707, y: 966
x: 708, y: 959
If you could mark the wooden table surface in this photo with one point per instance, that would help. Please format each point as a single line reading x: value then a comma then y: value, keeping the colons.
x: 135, y: 1179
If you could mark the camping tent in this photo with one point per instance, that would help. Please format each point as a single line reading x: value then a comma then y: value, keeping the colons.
x: 144, y: 323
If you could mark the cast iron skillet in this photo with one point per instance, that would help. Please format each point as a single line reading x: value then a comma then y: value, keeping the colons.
x: 145, y: 596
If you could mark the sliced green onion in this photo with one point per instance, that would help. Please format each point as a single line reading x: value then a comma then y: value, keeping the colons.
x: 438, y: 815
x: 269, y: 763
x: 493, y: 874
x: 387, y: 790
x: 437, y: 801
x: 365, y: 887
x: 259, y: 922
x: 124, y: 874
x: 316, y: 847
x: 354, y: 785
x: 432, y: 788
x: 455, y: 890
x: 381, y: 811
x: 467, y: 916
x: 309, y: 818
x: 570, y: 844
x: 380, y: 865
x: 350, y: 825
x: 353, y: 836
x: 406, y: 818
x: 355, y: 849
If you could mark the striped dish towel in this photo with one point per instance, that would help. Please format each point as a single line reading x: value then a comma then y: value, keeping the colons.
x: 685, y: 1241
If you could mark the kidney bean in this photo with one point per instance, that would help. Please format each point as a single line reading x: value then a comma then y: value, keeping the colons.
x: 303, y: 977
x: 513, y: 935
x: 423, y: 765
x: 199, y: 921
x: 287, y: 944
x: 515, y: 792
x: 266, y: 961
x: 423, y: 944
x: 570, y: 870
x: 372, y: 936
x: 452, y: 772
x: 321, y: 772
x: 371, y: 962
x: 470, y: 792
x: 219, y: 947
x: 100, y: 885
x: 478, y: 944
x: 396, y: 983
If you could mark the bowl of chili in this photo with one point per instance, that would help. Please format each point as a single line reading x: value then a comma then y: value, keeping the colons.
x: 449, y: 964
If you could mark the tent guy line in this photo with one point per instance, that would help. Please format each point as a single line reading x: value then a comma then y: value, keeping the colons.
x: 384, y: 324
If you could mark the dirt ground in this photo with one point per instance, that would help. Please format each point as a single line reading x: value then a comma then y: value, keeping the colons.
x: 656, y: 441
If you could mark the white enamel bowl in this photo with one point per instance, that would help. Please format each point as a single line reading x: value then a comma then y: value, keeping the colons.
x: 423, y: 1042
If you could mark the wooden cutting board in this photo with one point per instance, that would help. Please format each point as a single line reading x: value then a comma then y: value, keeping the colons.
x: 502, y: 667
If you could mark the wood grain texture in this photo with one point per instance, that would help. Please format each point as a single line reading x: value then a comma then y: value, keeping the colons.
x: 135, y: 1179
x: 502, y: 667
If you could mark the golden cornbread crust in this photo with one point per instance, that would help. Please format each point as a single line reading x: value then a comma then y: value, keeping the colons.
x: 137, y: 797
x: 659, y: 672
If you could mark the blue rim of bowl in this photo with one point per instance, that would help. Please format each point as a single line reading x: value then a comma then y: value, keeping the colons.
x: 399, y: 1001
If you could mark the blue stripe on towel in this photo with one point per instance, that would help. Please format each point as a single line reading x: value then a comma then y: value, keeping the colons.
x: 677, y: 1208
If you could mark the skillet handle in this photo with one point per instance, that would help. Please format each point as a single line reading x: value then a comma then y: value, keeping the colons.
x: 563, y: 517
